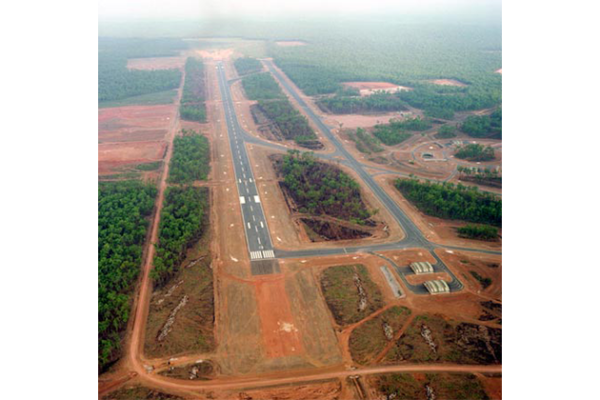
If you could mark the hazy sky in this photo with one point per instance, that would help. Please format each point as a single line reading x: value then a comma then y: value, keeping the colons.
x: 220, y: 8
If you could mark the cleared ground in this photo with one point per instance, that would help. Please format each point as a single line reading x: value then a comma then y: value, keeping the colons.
x: 448, y: 82
x: 152, y: 63
x: 132, y: 135
x: 368, y: 88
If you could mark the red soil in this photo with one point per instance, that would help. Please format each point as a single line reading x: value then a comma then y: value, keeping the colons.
x: 278, y: 328
x: 447, y: 82
x: 156, y: 63
x: 132, y: 135
x: 368, y: 88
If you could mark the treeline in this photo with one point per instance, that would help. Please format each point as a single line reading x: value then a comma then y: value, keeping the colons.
x: 403, y: 54
x: 365, y: 142
x: 443, y: 101
x: 182, y: 222
x: 262, y: 87
x: 116, y: 82
x: 191, y: 158
x: 484, y: 125
x: 395, y: 131
x: 274, y: 104
x: 483, y: 176
x: 439, y: 112
x: 446, y: 132
x: 449, y: 201
x: 292, y: 124
x: 475, y: 152
x: 141, y: 48
x: 123, y: 209
x: 478, y: 232
x: 192, y: 106
x: 321, y: 189
x: 379, y: 101
x: 247, y: 65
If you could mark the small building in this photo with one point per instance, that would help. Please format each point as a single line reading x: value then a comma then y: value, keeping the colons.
x: 422, y: 267
x: 437, y: 287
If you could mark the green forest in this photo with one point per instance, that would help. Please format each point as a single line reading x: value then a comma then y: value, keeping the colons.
x: 123, y: 211
x: 404, y: 54
x: 478, y: 232
x: 247, y: 65
x: 449, y: 201
x: 484, y: 176
x: 116, y: 82
x: 192, y: 106
x: 395, y: 131
x: 377, y: 102
x: 446, y: 132
x: 365, y: 142
x: 475, y: 152
x: 275, y: 105
x: 182, y: 221
x: 484, y: 126
x: 321, y: 189
x: 291, y: 123
x: 262, y: 87
x: 191, y: 158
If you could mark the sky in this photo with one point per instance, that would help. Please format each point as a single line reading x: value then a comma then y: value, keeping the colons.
x: 117, y: 9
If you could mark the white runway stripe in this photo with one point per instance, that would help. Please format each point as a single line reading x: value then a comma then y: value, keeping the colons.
x: 269, y: 254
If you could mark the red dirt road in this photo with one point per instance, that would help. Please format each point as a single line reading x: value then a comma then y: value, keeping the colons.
x: 142, y: 303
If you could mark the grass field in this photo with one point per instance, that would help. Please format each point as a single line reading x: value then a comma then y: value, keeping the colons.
x: 368, y: 339
x: 342, y: 295
x: 443, y: 386
x: 455, y: 342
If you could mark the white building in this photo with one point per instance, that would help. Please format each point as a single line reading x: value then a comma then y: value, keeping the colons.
x: 422, y: 267
x: 437, y: 287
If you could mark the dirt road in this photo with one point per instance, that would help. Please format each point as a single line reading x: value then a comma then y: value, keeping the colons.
x: 140, y: 314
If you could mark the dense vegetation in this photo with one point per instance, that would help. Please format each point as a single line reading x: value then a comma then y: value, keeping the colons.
x: 192, y: 106
x: 122, y: 211
x: 377, y: 102
x: 394, y: 132
x: 181, y: 224
x: 321, y: 189
x: 439, y: 112
x: 475, y: 152
x: 262, y: 87
x: 446, y: 132
x: 290, y: 122
x: 116, y: 82
x: 365, y: 142
x: 484, y: 125
x: 405, y: 54
x: 191, y: 158
x: 491, y: 177
x: 449, y: 201
x: 275, y: 106
x: 480, y: 232
x: 247, y: 65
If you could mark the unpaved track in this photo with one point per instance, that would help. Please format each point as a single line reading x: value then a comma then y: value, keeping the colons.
x: 294, y: 377
x: 135, y: 345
